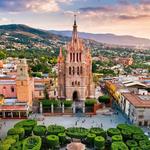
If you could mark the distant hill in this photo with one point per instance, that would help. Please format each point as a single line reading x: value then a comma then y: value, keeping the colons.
x: 123, y: 40
x: 18, y: 36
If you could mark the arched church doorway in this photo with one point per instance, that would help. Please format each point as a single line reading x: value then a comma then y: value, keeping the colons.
x: 75, y: 96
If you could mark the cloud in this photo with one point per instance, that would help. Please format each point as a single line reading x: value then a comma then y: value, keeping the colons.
x: 38, y: 6
x: 4, y: 20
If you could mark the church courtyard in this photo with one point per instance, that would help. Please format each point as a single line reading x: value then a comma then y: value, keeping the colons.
x: 100, y: 120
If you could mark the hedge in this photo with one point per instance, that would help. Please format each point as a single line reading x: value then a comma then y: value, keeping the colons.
x: 113, y: 131
x: 39, y: 130
x: 48, y: 103
x: 117, y: 138
x: 76, y: 132
x: 55, y: 129
x: 67, y: 103
x: 99, y: 143
x: 17, y: 131
x: 28, y: 126
x: 32, y: 143
x: 52, y: 141
x: 98, y: 131
x: 119, y: 146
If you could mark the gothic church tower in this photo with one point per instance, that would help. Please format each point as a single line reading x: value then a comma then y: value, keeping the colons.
x: 75, y: 81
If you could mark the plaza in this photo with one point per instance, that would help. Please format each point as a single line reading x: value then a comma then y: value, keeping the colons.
x: 99, y: 120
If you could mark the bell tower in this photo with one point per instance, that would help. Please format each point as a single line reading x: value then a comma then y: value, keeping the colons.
x: 23, y: 83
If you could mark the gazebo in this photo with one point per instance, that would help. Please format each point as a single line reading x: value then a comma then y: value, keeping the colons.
x: 75, y: 146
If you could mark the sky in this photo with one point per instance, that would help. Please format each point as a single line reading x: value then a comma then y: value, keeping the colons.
x: 121, y: 17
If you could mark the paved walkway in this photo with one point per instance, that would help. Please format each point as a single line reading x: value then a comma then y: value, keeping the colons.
x: 105, y: 121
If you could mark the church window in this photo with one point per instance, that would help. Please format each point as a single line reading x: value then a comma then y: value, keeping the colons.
x: 69, y: 70
x: 54, y: 93
x: 20, y: 69
x: 4, y: 88
x: 73, y: 57
x: 79, y: 83
x: 81, y: 70
x: 70, y: 57
x: 78, y: 71
x: 40, y: 93
x: 21, y: 83
x: 75, y: 82
x: 73, y: 71
x: 12, y: 89
x: 77, y: 57
x: 72, y: 83
x: 80, y: 56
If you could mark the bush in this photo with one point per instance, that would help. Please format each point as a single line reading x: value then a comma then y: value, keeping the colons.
x: 17, y: 146
x: 116, y: 138
x: 75, y: 132
x: 126, y: 134
x: 104, y: 99
x: 119, y: 146
x: 136, y: 148
x: 62, y: 138
x: 90, y: 102
x: 99, y: 143
x: 144, y: 143
x: 131, y: 144
x: 98, y: 131
x: 67, y: 103
x: 4, y: 146
x: 113, y: 131
x: 55, y: 129
x: 32, y: 143
x: 39, y: 130
x: 16, y: 137
x: 90, y: 138
x: 52, y: 141
x: 140, y: 137
x: 17, y: 131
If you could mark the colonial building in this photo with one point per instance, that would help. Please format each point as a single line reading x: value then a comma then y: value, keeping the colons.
x: 75, y: 81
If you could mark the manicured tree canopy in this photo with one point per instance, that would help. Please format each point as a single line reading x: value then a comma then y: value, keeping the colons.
x: 17, y: 146
x: 131, y: 144
x: 75, y: 132
x: 116, y: 138
x: 55, y: 129
x: 140, y: 137
x: 144, y: 144
x: 52, y: 141
x: 62, y: 138
x: 119, y: 146
x: 135, y: 148
x: 90, y: 138
x: 17, y: 131
x: 104, y: 99
x: 127, y: 135
x: 4, y: 146
x: 98, y: 131
x: 32, y: 143
x: 113, y: 131
x: 99, y: 142
x: 39, y: 130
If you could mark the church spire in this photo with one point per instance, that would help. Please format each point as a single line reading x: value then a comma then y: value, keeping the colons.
x: 60, y: 57
x: 74, y: 33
